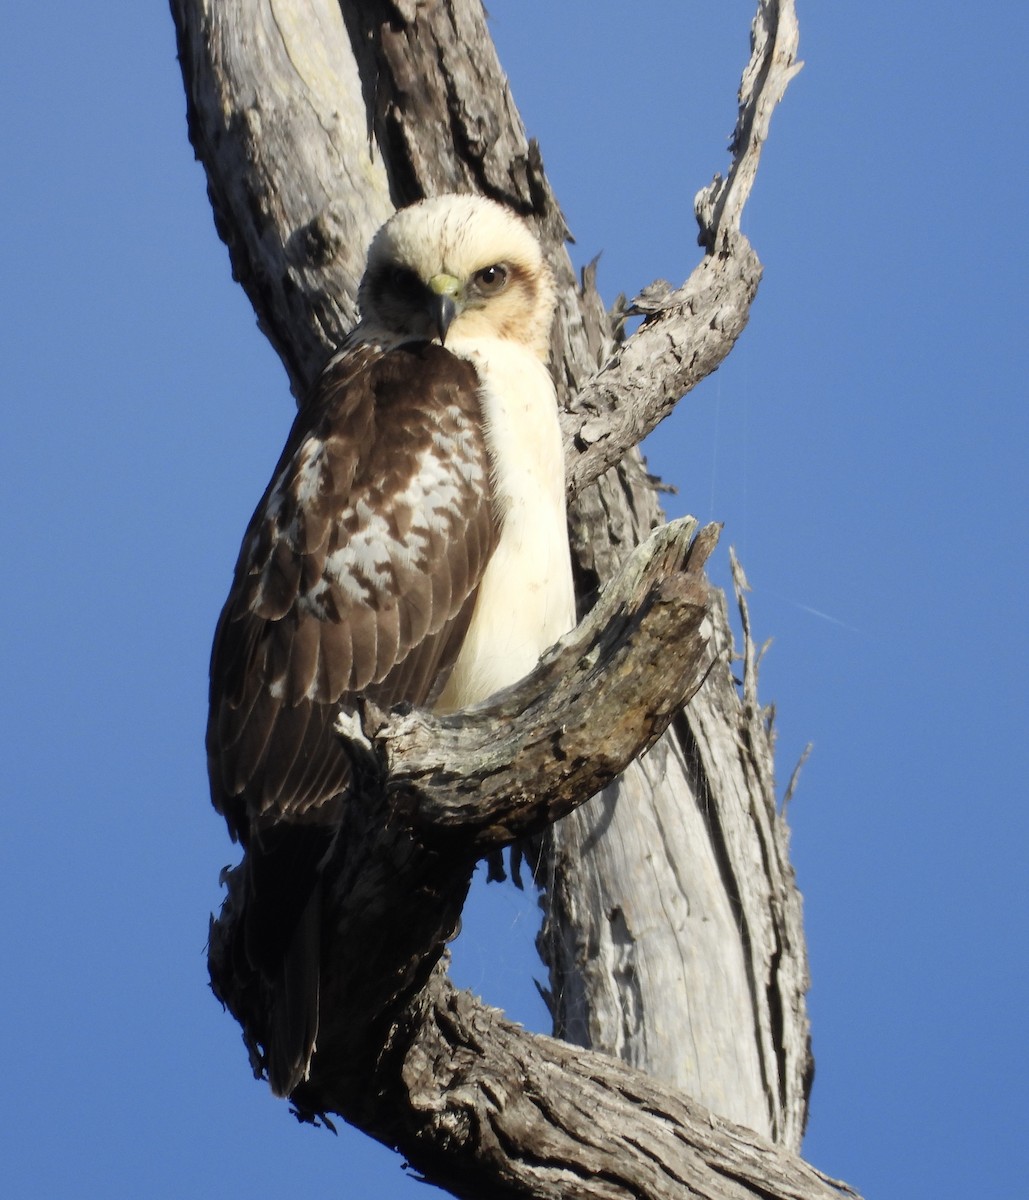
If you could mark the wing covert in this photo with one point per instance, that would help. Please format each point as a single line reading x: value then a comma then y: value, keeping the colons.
x: 357, y: 574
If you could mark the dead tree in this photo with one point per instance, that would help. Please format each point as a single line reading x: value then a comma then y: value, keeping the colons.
x: 314, y: 119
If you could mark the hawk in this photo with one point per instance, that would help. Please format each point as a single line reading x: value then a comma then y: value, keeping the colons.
x: 411, y: 546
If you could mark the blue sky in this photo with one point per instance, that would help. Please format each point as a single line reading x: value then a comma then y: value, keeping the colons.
x: 865, y: 446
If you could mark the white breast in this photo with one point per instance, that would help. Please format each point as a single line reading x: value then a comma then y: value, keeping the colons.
x: 526, y: 600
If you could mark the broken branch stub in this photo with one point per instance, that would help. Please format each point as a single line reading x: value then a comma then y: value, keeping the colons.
x: 477, y: 780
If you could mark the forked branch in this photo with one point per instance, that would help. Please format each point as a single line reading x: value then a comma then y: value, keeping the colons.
x: 314, y: 119
x: 687, y: 332
x: 515, y: 764
x: 474, y: 1101
x: 490, y: 1110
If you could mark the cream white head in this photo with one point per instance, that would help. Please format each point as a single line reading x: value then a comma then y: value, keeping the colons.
x: 461, y: 267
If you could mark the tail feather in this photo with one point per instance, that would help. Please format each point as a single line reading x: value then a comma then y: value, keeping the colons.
x: 282, y: 936
x: 293, y: 1030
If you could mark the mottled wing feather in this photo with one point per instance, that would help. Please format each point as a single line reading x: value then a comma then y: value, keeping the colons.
x: 357, y: 574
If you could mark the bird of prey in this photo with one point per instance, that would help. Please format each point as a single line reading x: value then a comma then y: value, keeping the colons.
x: 411, y: 546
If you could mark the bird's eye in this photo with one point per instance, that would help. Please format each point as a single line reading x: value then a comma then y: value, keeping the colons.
x: 490, y: 280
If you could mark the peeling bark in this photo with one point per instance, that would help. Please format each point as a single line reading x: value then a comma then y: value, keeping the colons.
x: 598, y: 1129
x: 314, y: 119
x: 511, y: 767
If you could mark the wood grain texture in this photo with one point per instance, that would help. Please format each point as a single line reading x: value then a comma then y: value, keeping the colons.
x: 514, y: 765
x: 599, y: 1129
x: 673, y: 933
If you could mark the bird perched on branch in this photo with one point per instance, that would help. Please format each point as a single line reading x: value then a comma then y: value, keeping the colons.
x: 411, y: 546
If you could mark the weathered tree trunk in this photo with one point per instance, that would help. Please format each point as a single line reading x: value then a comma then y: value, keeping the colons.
x: 673, y: 930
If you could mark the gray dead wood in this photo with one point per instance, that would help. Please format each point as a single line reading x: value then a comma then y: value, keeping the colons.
x: 470, y: 1099
x: 598, y: 1129
x: 313, y: 120
x: 511, y: 767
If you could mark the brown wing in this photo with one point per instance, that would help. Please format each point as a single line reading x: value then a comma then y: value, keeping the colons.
x: 357, y: 574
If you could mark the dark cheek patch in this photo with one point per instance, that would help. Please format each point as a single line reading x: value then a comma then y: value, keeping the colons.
x: 377, y: 290
x: 400, y: 306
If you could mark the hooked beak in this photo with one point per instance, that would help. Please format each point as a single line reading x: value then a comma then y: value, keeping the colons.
x: 444, y: 303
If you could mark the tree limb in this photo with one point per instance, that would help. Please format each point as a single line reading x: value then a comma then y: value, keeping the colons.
x: 701, y: 808
x: 513, y: 765
x: 312, y: 126
x: 483, y: 1108
x: 688, y: 331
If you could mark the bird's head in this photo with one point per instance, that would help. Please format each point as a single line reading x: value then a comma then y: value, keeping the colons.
x: 458, y: 266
